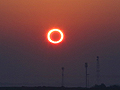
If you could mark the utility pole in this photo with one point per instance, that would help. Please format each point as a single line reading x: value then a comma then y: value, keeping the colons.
x: 86, y: 65
x: 62, y: 76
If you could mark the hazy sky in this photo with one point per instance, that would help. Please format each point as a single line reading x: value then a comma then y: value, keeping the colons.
x: 91, y: 28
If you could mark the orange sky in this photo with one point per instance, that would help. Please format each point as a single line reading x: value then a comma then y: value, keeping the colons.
x: 65, y: 14
x: 51, y: 13
x: 91, y: 28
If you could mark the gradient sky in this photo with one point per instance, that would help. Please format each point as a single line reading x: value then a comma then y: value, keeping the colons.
x: 91, y: 28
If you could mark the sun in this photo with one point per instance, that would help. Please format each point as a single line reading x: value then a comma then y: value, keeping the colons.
x: 54, y: 41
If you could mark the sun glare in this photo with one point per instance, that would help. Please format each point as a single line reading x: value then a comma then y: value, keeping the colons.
x: 55, y: 30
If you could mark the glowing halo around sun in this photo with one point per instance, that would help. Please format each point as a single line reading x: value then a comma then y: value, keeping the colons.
x: 55, y: 30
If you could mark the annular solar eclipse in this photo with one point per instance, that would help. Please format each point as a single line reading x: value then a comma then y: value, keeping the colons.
x: 55, y: 30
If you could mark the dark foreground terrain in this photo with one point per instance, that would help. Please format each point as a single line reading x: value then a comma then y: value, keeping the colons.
x: 57, y: 88
x: 96, y: 87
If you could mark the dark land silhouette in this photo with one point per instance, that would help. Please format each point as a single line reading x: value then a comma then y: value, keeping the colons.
x: 96, y: 87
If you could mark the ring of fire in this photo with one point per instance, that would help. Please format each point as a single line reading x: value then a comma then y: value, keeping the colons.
x: 54, y: 30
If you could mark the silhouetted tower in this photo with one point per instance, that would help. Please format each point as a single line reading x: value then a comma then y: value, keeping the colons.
x: 62, y: 76
x: 86, y: 65
x: 98, y: 71
x: 88, y: 80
